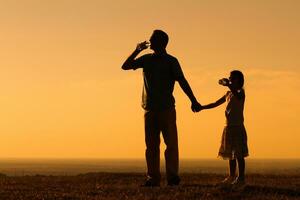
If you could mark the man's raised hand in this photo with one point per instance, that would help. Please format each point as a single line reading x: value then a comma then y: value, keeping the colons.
x: 143, y: 45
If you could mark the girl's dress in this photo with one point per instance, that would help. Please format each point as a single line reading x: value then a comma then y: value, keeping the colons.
x: 234, y: 138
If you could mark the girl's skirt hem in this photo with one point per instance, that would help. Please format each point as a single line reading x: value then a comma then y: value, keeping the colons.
x: 231, y: 157
x: 234, y: 143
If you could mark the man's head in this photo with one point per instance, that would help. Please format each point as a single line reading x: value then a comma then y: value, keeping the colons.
x: 159, y: 40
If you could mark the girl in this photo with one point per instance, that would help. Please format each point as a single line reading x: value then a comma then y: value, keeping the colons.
x: 234, y: 138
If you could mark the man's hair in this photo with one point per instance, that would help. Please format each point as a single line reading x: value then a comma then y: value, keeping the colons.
x: 162, y: 37
x: 239, y: 75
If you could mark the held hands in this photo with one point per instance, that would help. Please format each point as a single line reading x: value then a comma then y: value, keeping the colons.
x: 143, y: 45
x: 196, y: 106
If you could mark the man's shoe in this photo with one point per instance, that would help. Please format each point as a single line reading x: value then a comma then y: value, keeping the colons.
x: 226, y: 182
x: 151, y: 183
x: 174, y: 181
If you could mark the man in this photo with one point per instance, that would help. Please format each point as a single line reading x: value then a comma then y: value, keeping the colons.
x: 160, y: 71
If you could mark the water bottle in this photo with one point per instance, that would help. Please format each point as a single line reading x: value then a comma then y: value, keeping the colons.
x: 143, y: 45
x: 224, y: 82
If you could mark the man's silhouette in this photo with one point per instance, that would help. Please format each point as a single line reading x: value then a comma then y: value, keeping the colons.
x: 160, y: 71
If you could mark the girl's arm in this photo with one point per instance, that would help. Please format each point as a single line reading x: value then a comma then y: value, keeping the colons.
x: 215, y: 104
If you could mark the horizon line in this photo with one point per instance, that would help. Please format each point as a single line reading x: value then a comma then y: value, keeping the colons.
x: 136, y: 158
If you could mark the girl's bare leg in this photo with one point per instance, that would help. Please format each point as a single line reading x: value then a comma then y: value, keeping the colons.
x: 232, y: 168
x: 241, y: 163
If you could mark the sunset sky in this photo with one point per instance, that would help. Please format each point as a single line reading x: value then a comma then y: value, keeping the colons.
x: 63, y: 93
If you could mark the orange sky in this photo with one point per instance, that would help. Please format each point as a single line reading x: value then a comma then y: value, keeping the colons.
x: 63, y: 93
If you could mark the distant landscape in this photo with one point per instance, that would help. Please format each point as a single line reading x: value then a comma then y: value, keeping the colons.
x: 21, y: 167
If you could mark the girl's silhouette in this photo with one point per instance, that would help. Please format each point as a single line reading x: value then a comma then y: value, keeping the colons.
x: 234, y: 139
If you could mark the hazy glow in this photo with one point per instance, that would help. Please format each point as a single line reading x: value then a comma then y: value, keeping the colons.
x: 63, y: 93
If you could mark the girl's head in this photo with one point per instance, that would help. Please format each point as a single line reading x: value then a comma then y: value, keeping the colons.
x: 237, y: 79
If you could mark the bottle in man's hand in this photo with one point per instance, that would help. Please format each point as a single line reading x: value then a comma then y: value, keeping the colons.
x: 143, y: 45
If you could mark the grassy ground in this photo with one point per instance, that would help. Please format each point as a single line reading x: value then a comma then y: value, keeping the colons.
x: 121, y: 186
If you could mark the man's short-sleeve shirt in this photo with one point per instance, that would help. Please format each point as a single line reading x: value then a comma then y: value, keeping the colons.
x: 160, y: 73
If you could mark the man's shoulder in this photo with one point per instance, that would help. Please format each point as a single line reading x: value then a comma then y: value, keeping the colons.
x: 168, y: 57
x: 171, y: 57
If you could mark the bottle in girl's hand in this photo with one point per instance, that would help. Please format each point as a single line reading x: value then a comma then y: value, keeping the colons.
x: 224, y: 82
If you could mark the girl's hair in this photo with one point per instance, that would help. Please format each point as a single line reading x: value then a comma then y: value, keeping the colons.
x: 239, y: 75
